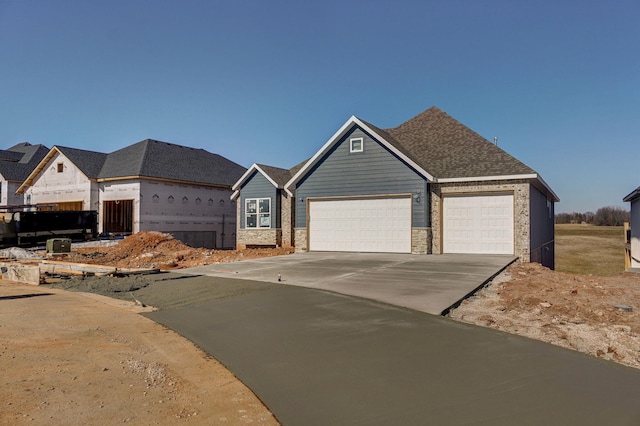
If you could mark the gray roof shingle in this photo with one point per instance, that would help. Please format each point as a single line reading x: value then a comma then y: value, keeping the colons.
x: 155, y: 159
x: 280, y: 176
x: 89, y: 162
x: 448, y: 149
x: 17, y: 162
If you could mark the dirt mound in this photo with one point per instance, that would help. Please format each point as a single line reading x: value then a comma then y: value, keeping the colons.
x: 595, y: 315
x: 160, y: 250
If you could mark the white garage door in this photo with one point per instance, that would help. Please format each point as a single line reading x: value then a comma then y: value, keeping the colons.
x: 478, y: 224
x: 361, y: 225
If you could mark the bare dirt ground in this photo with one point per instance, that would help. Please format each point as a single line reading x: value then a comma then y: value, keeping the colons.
x: 73, y: 358
x: 82, y: 358
x: 596, y: 315
x: 159, y: 250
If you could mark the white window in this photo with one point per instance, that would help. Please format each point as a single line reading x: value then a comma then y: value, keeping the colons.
x: 356, y: 145
x: 257, y: 212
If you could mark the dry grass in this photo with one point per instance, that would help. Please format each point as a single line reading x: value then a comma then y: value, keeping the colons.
x: 588, y: 249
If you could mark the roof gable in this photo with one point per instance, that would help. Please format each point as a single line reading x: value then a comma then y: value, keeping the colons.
x: 381, y: 137
x: 148, y: 158
x: 440, y: 148
x: 89, y: 162
x: 277, y: 176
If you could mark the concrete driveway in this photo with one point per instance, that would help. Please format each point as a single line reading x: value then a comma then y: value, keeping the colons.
x: 320, y: 358
x: 430, y: 284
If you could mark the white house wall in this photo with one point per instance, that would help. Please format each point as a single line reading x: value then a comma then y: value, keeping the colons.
x: 635, y: 233
x: 51, y: 186
x: 8, y: 196
x: 120, y: 190
x: 184, y: 209
x: 11, y: 198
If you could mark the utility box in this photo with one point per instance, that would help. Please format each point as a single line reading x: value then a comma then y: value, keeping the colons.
x: 59, y: 245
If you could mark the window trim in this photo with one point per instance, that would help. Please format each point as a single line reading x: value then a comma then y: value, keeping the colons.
x: 351, y: 144
x: 60, y: 167
x: 258, y: 215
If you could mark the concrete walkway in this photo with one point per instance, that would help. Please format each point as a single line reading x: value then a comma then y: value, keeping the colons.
x: 321, y: 358
x: 424, y: 283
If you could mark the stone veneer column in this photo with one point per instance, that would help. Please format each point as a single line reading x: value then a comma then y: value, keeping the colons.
x: 240, y: 244
x: 301, y: 239
x: 421, y: 241
x: 286, y: 220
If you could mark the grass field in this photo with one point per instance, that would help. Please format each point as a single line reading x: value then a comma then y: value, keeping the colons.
x: 588, y: 249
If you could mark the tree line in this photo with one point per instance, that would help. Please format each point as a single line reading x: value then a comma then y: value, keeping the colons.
x: 605, y: 216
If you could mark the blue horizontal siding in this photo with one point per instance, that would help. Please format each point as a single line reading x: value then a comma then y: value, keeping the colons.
x: 374, y: 171
x: 257, y: 186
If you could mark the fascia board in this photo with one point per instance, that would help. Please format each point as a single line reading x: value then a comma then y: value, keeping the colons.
x: 393, y: 149
x: 37, y: 169
x: 556, y: 198
x: 273, y: 182
x: 254, y: 167
x: 244, y: 177
x: 632, y: 196
x: 334, y: 139
x: 235, y: 195
x: 486, y: 178
x: 505, y: 177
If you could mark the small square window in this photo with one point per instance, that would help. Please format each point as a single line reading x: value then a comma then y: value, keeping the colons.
x: 60, y: 167
x: 356, y: 145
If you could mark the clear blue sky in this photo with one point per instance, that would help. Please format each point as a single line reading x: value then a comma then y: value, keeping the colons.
x: 558, y: 82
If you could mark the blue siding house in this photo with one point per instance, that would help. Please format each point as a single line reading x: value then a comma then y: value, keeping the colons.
x: 428, y: 186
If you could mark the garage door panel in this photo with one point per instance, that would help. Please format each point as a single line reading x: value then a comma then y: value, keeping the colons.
x: 478, y: 224
x: 364, y: 225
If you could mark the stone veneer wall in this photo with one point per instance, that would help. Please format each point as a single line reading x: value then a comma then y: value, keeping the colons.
x: 521, y: 212
x: 258, y: 237
x: 421, y: 241
x: 239, y: 245
x: 301, y: 239
x: 286, y: 220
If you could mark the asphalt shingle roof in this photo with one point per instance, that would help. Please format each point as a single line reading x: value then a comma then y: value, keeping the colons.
x: 17, y: 162
x: 89, y: 162
x: 6, y: 155
x: 446, y: 148
x: 155, y: 159
x: 280, y: 176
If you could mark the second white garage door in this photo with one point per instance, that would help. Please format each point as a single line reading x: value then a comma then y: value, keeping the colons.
x: 478, y: 224
x: 381, y: 225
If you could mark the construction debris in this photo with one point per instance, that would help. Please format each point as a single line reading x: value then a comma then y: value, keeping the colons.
x: 19, y: 253
x: 157, y: 250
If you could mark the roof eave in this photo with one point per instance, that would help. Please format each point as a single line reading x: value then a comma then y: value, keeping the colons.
x: 533, y: 176
x: 353, y: 121
x: 254, y: 167
x: 159, y: 179
x: 39, y: 167
x: 634, y: 195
